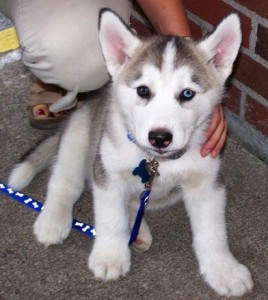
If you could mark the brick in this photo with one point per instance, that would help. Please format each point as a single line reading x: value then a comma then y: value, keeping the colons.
x: 138, y: 9
x: 213, y: 11
x: 258, y: 6
x: 257, y: 115
x: 210, y: 10
x: 232, y: 99
x: 195, y: 30
x: 145, y: 30
x: 262, y: 42
x: 142, y: 29
x: 252, y: 74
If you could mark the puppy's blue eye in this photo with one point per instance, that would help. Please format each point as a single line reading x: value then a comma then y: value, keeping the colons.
x: 144, y: 92
x: 187, y: 95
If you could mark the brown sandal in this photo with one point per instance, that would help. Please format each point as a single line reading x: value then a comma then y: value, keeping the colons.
x: 42, y: 96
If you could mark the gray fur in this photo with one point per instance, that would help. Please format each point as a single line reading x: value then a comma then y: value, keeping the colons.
x: 186, y: 54
x: 99, y: 173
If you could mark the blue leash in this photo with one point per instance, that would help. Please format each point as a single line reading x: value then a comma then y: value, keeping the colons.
x: 38, y: 206
x: 144, y: 198
x: 77, y: 225
x: 146, y: 171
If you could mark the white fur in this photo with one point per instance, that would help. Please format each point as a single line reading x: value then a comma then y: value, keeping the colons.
x: 221, y: 48
x: 54, y: 223
x: 118, y: 49
x: 191, y: 176
x: 21, y: 176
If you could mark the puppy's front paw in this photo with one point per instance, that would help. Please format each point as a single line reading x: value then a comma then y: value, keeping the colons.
x: 228, y: 277
x: 109, y: 261
x: 52, y: 228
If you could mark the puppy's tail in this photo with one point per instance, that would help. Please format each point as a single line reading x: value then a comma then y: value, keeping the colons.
x: 24, y: 172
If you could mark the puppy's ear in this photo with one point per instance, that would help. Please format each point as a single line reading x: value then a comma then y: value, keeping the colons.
x: 222, y: 46
x: 117, y: 40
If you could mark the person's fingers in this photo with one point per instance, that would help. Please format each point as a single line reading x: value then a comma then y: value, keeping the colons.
x: 216, y: 134
x: 220, y: 143
x: 214, y: 140
x: 214, y: 123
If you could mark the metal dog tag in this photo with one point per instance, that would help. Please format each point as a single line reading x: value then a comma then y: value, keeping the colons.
x: 151, y: 167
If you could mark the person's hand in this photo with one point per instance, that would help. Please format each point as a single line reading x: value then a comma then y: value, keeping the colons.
x: 216, y: 134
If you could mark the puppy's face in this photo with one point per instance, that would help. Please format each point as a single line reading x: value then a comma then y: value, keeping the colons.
x: 165, y: 91
x: 167, y: 86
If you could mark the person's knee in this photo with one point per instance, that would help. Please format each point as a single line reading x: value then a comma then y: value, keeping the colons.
x: 68, y: 55
x: 62, y: 46
x: 75, y: 58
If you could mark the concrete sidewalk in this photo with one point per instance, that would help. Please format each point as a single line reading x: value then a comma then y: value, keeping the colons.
x: 167, y: 271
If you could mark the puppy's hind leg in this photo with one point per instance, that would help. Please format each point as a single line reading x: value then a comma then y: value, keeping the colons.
x: 144, y: 238
x: 54, y: 223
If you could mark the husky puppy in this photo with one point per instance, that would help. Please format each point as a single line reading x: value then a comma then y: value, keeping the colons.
x: 158, y: 105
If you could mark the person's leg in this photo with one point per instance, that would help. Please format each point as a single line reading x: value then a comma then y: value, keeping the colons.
x: 60, y: 42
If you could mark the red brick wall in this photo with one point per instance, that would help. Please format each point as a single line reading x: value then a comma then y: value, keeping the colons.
x: 248, y: 91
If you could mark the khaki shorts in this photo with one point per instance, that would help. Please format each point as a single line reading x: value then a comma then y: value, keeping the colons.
x: 59, y: 39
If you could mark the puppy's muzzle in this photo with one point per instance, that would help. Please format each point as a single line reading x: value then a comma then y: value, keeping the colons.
x: 160, y: 138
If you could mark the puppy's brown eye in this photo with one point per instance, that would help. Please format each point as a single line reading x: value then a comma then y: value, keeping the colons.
x: 144, y: 92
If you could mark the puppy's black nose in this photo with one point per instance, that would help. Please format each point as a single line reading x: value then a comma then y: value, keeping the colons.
x: 160, y: 138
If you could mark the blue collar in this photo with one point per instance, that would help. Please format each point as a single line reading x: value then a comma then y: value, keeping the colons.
x: 172, y: 156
